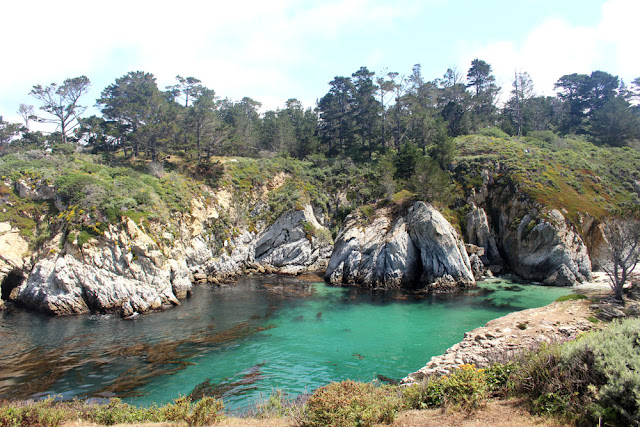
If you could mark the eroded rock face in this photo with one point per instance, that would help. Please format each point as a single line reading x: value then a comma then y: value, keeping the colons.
x: 547, y: 249
x: 125, y: 270
x: 13, y: 249
x: 122, y: 271
x: 417, y: 250
x: 479, y: 233
x: 536, y: 243
x: 294, y: 243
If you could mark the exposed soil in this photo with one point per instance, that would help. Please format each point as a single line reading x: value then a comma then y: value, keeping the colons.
x: 497, y: 413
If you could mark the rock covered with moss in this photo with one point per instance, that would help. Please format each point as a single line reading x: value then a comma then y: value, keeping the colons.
x: 536, y: 242
x: 418, y: 249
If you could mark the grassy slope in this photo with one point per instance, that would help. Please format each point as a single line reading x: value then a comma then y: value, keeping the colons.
x: 569, y: 174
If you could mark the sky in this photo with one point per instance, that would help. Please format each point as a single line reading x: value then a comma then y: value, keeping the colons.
x: 273, y: 50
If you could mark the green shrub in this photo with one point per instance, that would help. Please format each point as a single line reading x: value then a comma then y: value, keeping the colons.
x: 571, y: 297
x: 426, y: 394
x: 178, y: 410
x: 497, y: 377
x: 543, y: 135
x: 614, y: 363
x: 206, y: 411
x: 465, y: 388
x: 116, y: 412
x: 350, y: 403
x: 44, y: 413
x: 275, y: 405
x: 595, y: 379
x: 493, y: 132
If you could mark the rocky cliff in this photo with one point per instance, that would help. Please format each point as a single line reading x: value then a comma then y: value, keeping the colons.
x: 133, y: 268
x: 416, y: 249
x: 535, y: 242
x: 510, y: 335
x: 137, y: 266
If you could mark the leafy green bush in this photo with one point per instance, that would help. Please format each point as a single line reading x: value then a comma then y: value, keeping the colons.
x: 497, y: 377
x: 465, y: 388
x: 426, y: 394
x: 43, y: 413
x: 593, y: 379
x: 350, y: 403
x: 206, y: 411
x: 543, y: 135
x: 276, y: 405
x: 493, y: 132
x: 116, y: 412
x: 48, y: 412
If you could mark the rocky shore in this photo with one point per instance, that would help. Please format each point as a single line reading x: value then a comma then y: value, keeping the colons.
x: 135, y: 267
x: 507, y: 336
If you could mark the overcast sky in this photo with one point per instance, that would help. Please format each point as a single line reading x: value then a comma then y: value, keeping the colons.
x: 272, y: 50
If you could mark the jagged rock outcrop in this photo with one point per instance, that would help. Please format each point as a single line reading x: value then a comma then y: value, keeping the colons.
x: 295, y: 242
x: 13, y: 249
x: 535, y: 242
x: 480, y: 234
x: 547, y: 249
x: 122, y: 271
x: 126, y: 270
x: 38, y: 190
x: 419, y: 249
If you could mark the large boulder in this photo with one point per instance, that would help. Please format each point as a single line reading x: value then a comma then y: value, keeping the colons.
x: 545, y: 248
x: 295, y: 242
x: 417, y: 250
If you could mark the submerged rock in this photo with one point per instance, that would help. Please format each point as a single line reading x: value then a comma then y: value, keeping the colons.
x: 419, y: 249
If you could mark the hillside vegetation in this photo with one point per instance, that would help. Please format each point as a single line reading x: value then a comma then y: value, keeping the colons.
x: 563, y: 173
x: 569, y: 174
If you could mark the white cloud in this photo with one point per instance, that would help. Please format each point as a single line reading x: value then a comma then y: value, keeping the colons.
x: 555, y: 48
x: 238, y: 48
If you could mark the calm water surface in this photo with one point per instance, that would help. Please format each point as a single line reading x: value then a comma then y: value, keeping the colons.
x: 241, y: 342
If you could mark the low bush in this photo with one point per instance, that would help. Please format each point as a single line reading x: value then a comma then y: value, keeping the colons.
x: 50, y: 413
x: 595, y: 379
x: 350, y: 403
x: 424, y: 395
x: 465, y: 388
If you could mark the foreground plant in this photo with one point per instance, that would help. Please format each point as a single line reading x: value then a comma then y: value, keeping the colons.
x: 50, y: 413
x: 595, y: 379
x: 350, y: 403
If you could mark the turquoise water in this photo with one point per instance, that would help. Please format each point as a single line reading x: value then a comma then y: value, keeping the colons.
x: 245, y: 340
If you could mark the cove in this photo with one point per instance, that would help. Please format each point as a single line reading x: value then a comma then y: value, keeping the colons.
x: 240, y: 342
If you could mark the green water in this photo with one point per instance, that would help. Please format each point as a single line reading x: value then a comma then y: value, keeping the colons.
x: 246, y: 340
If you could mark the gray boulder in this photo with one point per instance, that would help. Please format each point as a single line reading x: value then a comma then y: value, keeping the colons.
x: 294, y: 243
x: 417, y: 250
x: 546, y: 248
